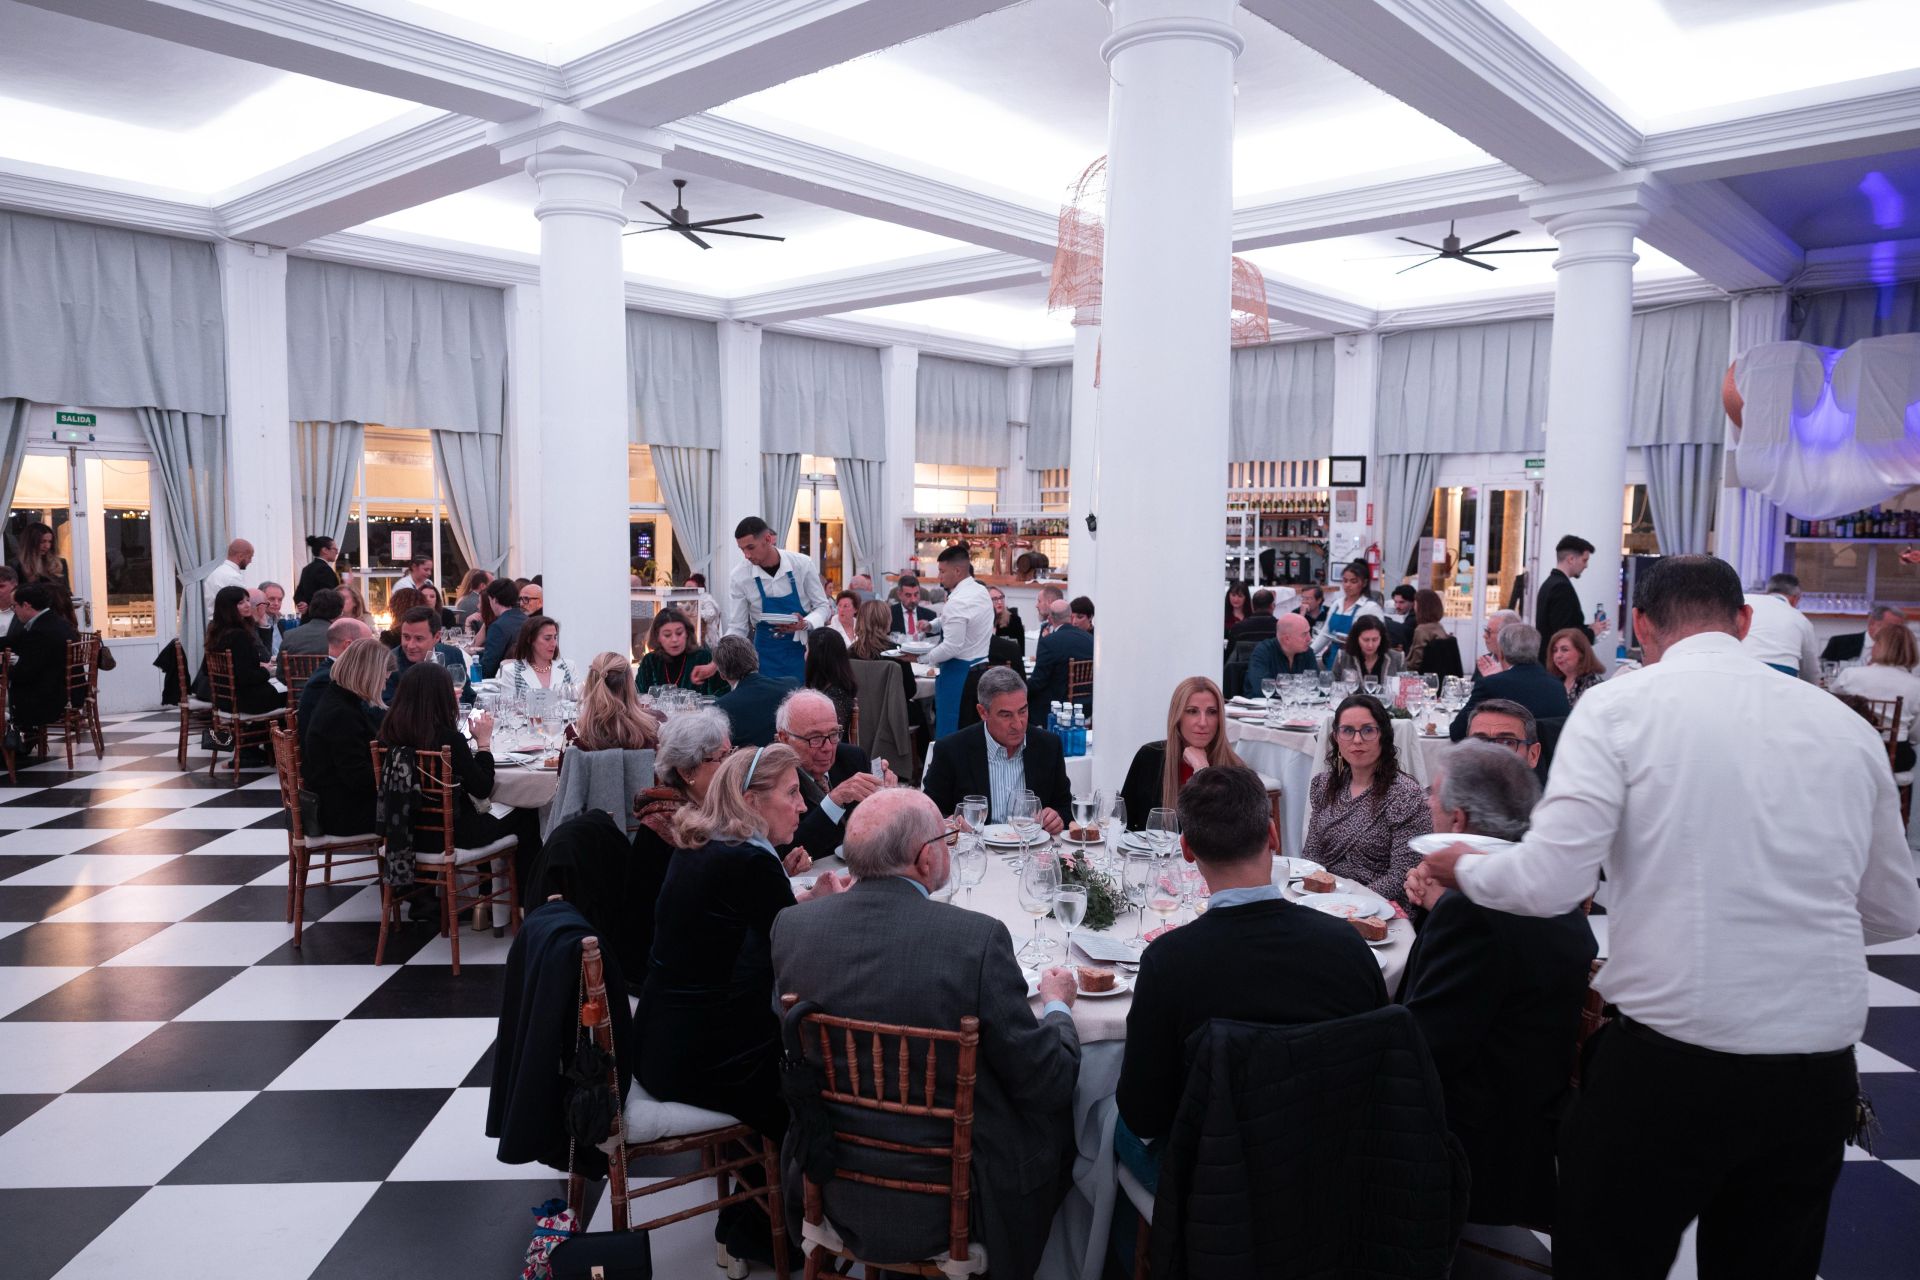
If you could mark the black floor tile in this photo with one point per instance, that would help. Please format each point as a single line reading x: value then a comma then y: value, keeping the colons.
x: 1904, y: 970
x: 130, y: 993
x: 38, y: 901
x: 96, y: 818
x: 44, y: 1228
x: 277, y: 822
x: 268, y: 902
x: 1896, y: 1101
x: 349, y: 943
x: 397, y: 1233
x: 273, y: 1138
x: 47, y: 797
x: 213, y: 868
x: 481, y: 1077
x: 12, y: 864
x: 433, y: 991
x: 45, y: 776
x: 1894, y: 1031
x: 1873, y: 1227
x: 72, y: 944
x: 15, y: 1107
x: 241, y: 798
x: 164, y: 841
x: 192, y: 1056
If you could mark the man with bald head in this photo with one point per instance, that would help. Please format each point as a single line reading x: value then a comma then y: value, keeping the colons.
x: 883, y: 950
x: 835, y: 775
x: 1289, y: 653
x: 231, y: 572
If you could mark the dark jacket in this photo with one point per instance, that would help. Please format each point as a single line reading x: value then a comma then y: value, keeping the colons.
x: 336, y: 762
x: 252, y: 687
x: 1141, y: 790
x: 1400, y: 630
x: 586, y: 860
x: 1048, y: 683
x: 37, y: 684
x: 1346, y: 1113
x: 318, y: 575
x: 539, y: 1022
x: 1015, y: 630
x: 501, y: 633
x: 925, y: 616
x: 1498, y: 1000
x: 445, y: 654
x: 1268, y: 962
x: 1558, y: 607
x: 751, y: 706
x: 960, y: 769
x: 1529, y: 684
x: 817, y: 833
x: 308, y: 637
x: 1269, y: 663
x: 1255, y: 627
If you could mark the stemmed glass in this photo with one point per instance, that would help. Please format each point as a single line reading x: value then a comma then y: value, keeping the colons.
x: 1139, y: 874
x: 1025, y: 817
x: 971, y: 865
x: 1164, y: 893
x: 1163, y: 829
x: 1085, y: 810
x: 1070, y: 908
x: 1267, y: 687
x: 1116, y: 832
x: 1039, y: 881
x: 973, y: 812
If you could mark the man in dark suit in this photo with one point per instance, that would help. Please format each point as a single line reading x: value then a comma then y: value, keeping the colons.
x: 341, y: 633
x: 1857, y: 646
x: 755, y: 698
x: 835, y: 776
x: 908, y: 606
x: 882, y: 951
x: 419, y: 629
x: 1048, y: 683
x: 1313, y: 605
x: 1497, y: 997
x: 1253, y: 957
x: 37, y: 684
x: 1558, y: 606
x: 1524, y: 681
x: 1258, y: 624
x: 508, y: 618
x: 311, y: 635
x: 1289, y: 653
x: 1000, y: 757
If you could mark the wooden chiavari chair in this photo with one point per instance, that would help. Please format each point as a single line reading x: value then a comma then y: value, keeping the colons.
x: 248, y: 729
x: 302, y: 846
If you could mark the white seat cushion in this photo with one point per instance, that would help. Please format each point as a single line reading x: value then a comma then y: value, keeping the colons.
x: 274, y: 714
x: 466, y: 857
x: 1903, y: 779
x: 194, y: 704
x: 648, y: 1119
x: 333, y: 842
x: 1139, y: 1196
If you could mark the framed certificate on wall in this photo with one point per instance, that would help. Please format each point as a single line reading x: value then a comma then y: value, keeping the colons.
x: 1341, y: 471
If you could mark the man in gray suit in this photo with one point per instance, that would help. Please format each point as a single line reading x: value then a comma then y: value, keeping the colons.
x: 884, y: 951
x: 311, y: 636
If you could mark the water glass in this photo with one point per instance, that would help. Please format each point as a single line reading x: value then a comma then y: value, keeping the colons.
x: 973, y: 812
x: 1163, y: 829
x: 1070, y: 908
x: 971, y: 865
x: 1163, y: 893
x: 1039, y: 880
x: 1268, y: 686
x: 1025, y: 817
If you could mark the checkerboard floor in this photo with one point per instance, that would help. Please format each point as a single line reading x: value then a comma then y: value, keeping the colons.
x: 183, y: 1094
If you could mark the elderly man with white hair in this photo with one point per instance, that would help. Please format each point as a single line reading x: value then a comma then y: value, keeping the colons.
x: 834, y: 775
x: 885, y: 952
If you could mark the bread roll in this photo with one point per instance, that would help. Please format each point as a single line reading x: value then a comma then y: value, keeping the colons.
x: 1086, y: 834
x: 1318, y: 882
x: 1372, y: 928
x: 1092, y: 979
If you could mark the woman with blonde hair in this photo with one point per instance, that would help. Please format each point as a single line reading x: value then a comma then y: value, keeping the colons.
x: 334, y: 761
x: 611, y: 717
x: 1889, y: 675
x: 352, y: 603
x: 1196, y: 739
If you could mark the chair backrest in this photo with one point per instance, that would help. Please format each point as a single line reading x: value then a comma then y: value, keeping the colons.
x: 1079, y: 680
x: 433, y: 820
x: 1441, y: 657
x: 286, y: 765
x: 83, y: 664
x: 1886, y: 718
x: 298, y: 668
x: 612, y: 777
x: 1549, y: 727
x: 220, y: 679
x: 902, y: 1075
x: 186, y: 677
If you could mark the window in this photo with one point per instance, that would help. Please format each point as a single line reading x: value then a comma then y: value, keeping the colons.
x: 943, y: 490
x: 1257, y: 476
x: 1637, y: 534
x: 1056, y: 490
x: 652, y: 553
x: 399, y: 494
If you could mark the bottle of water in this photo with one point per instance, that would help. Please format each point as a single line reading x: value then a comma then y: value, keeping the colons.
x: 473, y: 672
x: 1053, y: 717
x: 1079, y: 732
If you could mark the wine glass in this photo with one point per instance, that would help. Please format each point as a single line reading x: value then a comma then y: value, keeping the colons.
x: 1116, y: 831
x: 1085, y: 810
x: 1139, y: 873
x: 1025, y: 817
x: 1163, y: 829
x: 1039, y: 879
x: 1163, y: 893
x: 973, y: 812
x: 1070, y: 908
x: 971, y: 865
x: 1372, y: 685
x: 1267, y: 687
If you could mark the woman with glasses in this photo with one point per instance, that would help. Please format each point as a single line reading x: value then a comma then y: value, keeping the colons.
x: 1196, y: 739
x: 1363, y: 810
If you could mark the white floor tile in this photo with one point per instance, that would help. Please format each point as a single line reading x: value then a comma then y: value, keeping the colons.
x: 144, y: 766
x: 1905, y: 1168
x: 268, y: 783
x: 49, y: 1057
x: 13, y: 926
x: 391, y: 1053
x: 89, y: 868
x: 130, y: 902
x: 217, y: 943
x: 475, y: 948
x: 101, y: 779
x: 455, y: 1147
x: 1904, y: 947
x: 63, y: 840
x: 161, y: 739
x: 159, y: 798
x: 1886, y: 993
x: 112, y: 1139
x: 361, y: 908
x: 1869, y: 1058
x: 291, y: 993
x: 243, y: 842
x: 684, y: 1248
x: 9, y: 794
x: 203, y: 819
x: 225, y: 1233
x: 20, y: 817
x: 22, y: 986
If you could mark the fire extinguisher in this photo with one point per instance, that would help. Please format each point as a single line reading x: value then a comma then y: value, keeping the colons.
x: 1373, y: 559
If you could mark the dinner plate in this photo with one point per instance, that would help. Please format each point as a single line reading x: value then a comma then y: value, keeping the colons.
x: 1347, y: 905
x: 1121, y: 985
x: 1003, y: 835
x: 1424, y: 845
x: 1383, y: 942
x: 1136, y: 842
x: 1297, y: 726
x: 1090, y: 842
x: 1299, y: 868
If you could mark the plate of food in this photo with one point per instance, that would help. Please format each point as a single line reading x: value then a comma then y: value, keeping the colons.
x: 1348, y: 906
x: 1424, y: 845
x: 1093, y: 833
x: 1003, y: 835
x: 1372, y: 930
x: 1097, y: 983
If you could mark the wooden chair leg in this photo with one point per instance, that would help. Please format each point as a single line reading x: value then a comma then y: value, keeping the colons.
x: 386, y: 918
x: 450, y: 912
x: 67, y: 728
x: 776, y: 1210
x: 185, y: 715
x: 99, y: 734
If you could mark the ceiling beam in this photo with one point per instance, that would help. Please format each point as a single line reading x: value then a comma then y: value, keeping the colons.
x: 1320, y: 312
x: 912, y: 281
x: 1721, y: 238
x: 1483, y: 74
x: 1881, y: 114
x: 87, y: 197
x: 1328, y: 210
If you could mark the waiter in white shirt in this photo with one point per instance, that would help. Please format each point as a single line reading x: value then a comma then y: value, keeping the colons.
x: 966, y: 629
x: 1750, y: 832
x: 230, y: 572
x: 779, y: 584
x: 1780, y: 634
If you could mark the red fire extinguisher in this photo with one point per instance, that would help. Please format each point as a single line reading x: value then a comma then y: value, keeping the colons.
x: 1373, y: 558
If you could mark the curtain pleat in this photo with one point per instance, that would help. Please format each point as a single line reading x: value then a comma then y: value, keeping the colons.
x: 673, y: 365
x: 1282, y: 402
x: 1050, y: 421
x: 1406, y: 496
x: 821, y: 398
x: 326, y: 462
x: 686, y: 486
x: 1841, y: 317
x: 190, y: 458
x: 779, y: 490
x: 1683, y: 481
x: 961, y: 413
x: 1679, y: 358
x: 863, y: 498
x: 13, y: 448
x: 470, y: 467
x: 1478, y: 388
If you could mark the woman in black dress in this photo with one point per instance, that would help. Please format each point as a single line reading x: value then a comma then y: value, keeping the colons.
x: 425, y: 716
x: 828, y: 671
x: 232, y: 632
x: 319, y: 573
x: 1006, y: 621
x: 335, y: 763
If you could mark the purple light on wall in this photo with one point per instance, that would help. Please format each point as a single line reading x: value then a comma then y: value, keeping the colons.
x: 1889, y: 213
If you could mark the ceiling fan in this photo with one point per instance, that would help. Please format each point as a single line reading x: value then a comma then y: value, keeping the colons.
x: 678, y: 221
x: 1451, y: 248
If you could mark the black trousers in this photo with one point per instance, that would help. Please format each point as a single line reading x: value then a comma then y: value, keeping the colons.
x: 1663, y: 1133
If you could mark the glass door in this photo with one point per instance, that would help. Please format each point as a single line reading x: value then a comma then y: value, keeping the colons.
x: 819, y: 528
x: 1509, y: 541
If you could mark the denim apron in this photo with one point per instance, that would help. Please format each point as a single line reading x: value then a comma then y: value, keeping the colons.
x: 1338, y: 627
x: 948, y: 688
x: 781, y: 654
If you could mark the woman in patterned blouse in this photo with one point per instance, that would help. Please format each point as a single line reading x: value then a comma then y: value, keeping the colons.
x: 1363, y: 809
x: 1570, y: 656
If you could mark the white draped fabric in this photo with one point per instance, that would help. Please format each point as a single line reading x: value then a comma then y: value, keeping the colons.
x: 1050, y: 421
x: 821, y: 398
x: 1826, y: 432
x: 1406, y: 496
x: 1282, y: 405
x: 686, y: 486
x: 1478, y: 388
x: 1679, y: 357
x: 1683, y: 482
x: 1842, y: 317
x: 863, y: 498
x: 470, y: 465
x: 326, y: 463
x: 190, y: 459
x: 779, y: 490
x: 674, y: 366
x: 13, y: 450
x: 962, y: 413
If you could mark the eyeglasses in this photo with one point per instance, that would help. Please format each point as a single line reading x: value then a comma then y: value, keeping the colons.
x: 819, y: 740
x: 528, y: 599
x: 951, y: 836
x: 718, y: 756
x: 1506, y: 740
x: 1364, y: 732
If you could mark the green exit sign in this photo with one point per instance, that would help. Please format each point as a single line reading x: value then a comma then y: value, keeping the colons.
x: 1536, y: 464
x: 64, y: 418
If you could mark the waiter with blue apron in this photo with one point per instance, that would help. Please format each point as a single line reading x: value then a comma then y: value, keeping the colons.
x: 775, y: 598
x: 966, y: 629
x: 1354, y: 603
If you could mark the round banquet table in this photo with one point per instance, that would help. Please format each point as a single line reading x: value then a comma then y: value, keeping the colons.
x: 520, y: 786
x: 1076, y: 1246
x: 1295, y: 756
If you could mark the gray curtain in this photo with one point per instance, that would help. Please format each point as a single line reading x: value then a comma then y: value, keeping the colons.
x: 107, y: 318
x: 1683, y: 482
x: 1478, y: 388
x: 190, y: 457
x: 1282, y: 405
x: 1841, y: 317
x: 863, y: 498
x: 1679, y: 356
x: 686, y: 486
x: 821, y: 398
x: 1406, y: 496
x: 1050, y: 420
x: 406, y: 351
x: 779, y: 490
x: 13, y: 451
x: 326, y: 462
x: 673, y: 365
x: 962, y: 413
x: 470, y: 467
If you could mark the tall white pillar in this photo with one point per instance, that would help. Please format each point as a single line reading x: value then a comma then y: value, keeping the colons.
x: 900, y: 395
x: 736, y: 471
x: 1356, y: 374
x: 525, y: 528
x: 1161, y: 484
x: 1747, y: 527
x: 253, y: 287
x: 1083, y: 464
x: 1588, y: 393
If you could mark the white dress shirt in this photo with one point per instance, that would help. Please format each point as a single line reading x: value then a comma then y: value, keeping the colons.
x: 743, y: 598
x: 1006, y: 778
x: 228, y: 574
x: 966, y: 624
x: 1781, y: 635
x: 1750, y: 832
x: 1884, y: 683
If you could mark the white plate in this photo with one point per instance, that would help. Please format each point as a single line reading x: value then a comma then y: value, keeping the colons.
x: 1121, y: 985
x: 1384, y: 942
x: 1066, y: 837
x: 1297, y: 726
x: 780, y: 619
x: 1424, y: 845
x: 1002, y: 835
x: 1298, y: 868
x: 1136, y: 842
x: 1346, y: 906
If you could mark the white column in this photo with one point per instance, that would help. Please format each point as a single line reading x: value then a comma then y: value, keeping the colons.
x: 899, y: 389
x: 583, y: 397
x: 1588, y: 394
x: 1164, y: 371
x: 1747, y: 527
x: 736, y: 470
x: 525, y: 543
x: 1083, y: 464
x: 1356, y: 370
x: 253, y: 287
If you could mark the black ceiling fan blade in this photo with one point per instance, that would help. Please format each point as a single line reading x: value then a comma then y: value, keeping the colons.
x: 1385, y: 257
x: 1555, y: 249
x: 648, y: 231
x: 1423, y: 262
x: 663, y: 215
x: 1474, y: 262
x: 1422, y: 243
x: 1489, y: 240
x: 714, y: 222
x: 696, y: 239
x: 744, y: 235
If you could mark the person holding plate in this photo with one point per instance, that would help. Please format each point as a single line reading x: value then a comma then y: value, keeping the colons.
x: 966, y: 631
x: 774, y: 598
x: 1196, y: 739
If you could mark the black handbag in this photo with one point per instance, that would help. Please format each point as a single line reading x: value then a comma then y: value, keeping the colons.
x: 592, y: 1115
x: 603, y: 1255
